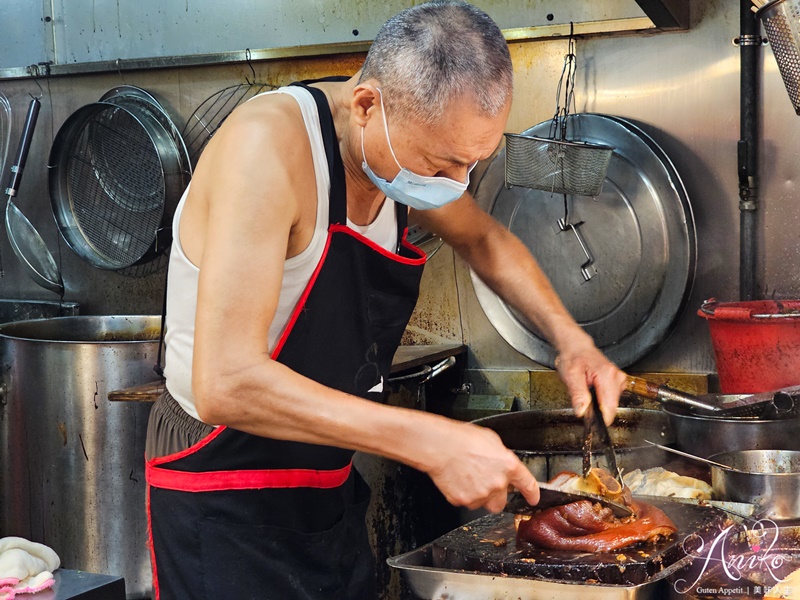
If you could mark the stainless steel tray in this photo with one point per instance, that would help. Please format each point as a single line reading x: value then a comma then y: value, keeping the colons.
x: 430, y: 583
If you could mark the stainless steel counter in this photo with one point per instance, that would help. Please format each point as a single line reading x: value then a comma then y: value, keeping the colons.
x: 79, y: 585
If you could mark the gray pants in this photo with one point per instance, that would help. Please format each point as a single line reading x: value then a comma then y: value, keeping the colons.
x: 170, y: 429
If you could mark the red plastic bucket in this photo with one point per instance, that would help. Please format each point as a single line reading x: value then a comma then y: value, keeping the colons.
x: 756, y: 344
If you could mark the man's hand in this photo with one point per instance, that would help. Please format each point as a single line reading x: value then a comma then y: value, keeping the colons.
x: 474, y: 469
x: 503, y: 262
x: 584, y: 366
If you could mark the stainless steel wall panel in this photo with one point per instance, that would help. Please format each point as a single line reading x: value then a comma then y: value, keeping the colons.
x: 89, y: 31
x: 681, y: 87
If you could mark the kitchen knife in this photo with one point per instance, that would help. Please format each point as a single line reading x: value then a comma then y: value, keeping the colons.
x: 550, y: 496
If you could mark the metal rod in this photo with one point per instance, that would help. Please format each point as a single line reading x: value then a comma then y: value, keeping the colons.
x: 713, y: 463
x: 748, y: 150
x: 518, y: 34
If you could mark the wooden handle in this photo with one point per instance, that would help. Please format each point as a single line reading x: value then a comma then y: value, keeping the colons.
x: 148, y: 392
x: 642, y: 387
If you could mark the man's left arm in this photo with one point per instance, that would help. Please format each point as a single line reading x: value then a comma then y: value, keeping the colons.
x: 503, y: 262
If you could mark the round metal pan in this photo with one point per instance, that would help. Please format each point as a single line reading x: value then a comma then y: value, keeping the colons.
x: 112, y: 169
x: 770, y: 479
x: 626, y: 268
x: 551, y: 441
x: 706, y: 435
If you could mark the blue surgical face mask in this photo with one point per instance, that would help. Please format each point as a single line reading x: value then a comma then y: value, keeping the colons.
x: 417, y: 191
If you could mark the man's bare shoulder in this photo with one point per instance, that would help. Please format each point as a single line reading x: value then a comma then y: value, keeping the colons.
x: 265, y: 122
x: 268, y: 125
x: 258, y: 159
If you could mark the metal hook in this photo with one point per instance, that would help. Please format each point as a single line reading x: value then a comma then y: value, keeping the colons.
x: 34, y: 70
x: 248, y: 56
x: 119, y: 72
x: 41, y: 91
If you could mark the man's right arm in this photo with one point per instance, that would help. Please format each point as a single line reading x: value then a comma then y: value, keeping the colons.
x: 249, y: 184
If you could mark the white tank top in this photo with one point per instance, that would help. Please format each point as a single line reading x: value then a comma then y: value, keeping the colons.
x: 297, y: 271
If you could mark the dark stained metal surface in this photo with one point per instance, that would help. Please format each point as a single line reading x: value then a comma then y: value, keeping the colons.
x: 550, y: 441
x: 488, y: 545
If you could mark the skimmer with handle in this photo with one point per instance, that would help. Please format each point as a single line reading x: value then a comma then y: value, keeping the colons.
x: 5, y: 131
x: 5, y: 140
x: 709, y: 462
x: 26, y: 242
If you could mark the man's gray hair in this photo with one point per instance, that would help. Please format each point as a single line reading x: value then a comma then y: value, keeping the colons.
x: 427, y: 55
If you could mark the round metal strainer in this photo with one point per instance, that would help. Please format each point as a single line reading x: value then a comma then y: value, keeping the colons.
x: 212, y: 112
x: 124, y: 164
x: 112, y: 169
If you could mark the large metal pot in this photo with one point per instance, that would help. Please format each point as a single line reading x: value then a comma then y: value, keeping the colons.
x: 770, y: 479
x: 704, y: 436
x: 72, y: 463
x: 550, y: 441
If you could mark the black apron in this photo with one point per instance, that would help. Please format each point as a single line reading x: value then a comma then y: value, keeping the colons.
x: 241, y: 516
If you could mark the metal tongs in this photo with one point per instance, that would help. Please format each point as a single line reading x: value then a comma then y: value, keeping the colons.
x: 593, y: 426
x: 595, y: 429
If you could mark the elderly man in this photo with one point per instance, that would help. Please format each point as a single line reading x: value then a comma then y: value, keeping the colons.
x: 290, y: 285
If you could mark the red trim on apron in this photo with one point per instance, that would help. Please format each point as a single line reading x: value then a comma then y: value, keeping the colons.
x: 214, y: 481
x: 208, y: 481
x: 151, y: 548
x: 380, y: 249
x: 415, y: 249
x: 190, y: 450
x: 302, y: 301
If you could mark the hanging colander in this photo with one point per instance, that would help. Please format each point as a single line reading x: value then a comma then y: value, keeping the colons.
x: 557, y: 166
x: 212, y: 112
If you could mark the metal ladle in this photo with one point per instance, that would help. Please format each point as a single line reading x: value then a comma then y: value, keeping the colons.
x: 26, y: 242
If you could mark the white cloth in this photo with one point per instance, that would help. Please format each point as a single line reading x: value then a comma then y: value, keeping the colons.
x: 297, y: 271
x: 25, y: 567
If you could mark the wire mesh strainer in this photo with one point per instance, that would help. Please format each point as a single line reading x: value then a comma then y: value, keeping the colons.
x: 560, y: 167
x: 781, y: 19
x: 115, y: 174
x: 212, y: 112
x: 557, y: 164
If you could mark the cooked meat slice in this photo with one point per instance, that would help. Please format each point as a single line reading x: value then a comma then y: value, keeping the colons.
x: 589, y: 527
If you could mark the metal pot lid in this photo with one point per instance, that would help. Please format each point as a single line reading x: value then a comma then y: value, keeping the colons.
x: 625, y: 267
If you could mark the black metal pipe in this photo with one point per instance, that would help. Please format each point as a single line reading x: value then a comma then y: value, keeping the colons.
x: 750, y: 54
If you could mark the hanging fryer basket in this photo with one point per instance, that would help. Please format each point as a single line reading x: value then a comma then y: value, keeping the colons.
x: 556, y: 166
